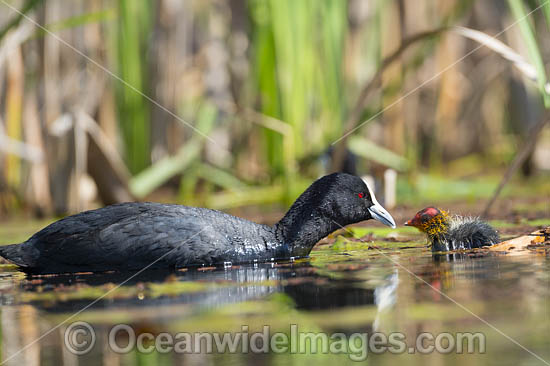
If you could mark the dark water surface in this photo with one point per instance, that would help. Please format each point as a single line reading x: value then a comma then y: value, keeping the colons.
x: 343, y: 288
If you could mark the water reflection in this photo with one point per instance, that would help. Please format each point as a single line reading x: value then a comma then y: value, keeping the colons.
x: 302, y: 282
x: 385, y: 297
x: 357, y: 294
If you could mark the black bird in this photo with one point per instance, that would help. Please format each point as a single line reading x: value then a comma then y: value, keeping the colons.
x: 447, y: 232
x: 131, y: 236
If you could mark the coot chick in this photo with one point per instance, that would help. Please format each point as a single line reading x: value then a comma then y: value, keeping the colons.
x: 447, y: 232
x: 131, y: 236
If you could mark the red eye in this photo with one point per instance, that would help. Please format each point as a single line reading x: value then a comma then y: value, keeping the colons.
x: 360, y: 195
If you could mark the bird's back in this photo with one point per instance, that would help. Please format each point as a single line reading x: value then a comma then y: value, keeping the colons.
x: 469, y: 233
x: 136, y: 235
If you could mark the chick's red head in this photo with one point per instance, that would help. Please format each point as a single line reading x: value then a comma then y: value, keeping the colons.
x: 425, y: 217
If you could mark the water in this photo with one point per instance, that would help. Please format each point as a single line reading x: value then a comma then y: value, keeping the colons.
x: 399, y: 287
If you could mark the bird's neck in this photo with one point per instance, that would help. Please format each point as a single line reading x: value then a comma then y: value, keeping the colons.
x: 301, y: 233
x: 437, y: 227
x: 305, y: 224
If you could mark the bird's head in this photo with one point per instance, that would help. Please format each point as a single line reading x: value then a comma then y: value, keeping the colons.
x: 336, y: 198
x: 331, y: 202
x: 432, y: 221
x: 352, y: 200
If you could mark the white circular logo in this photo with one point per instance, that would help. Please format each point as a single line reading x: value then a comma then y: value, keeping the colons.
x: 79, y: 338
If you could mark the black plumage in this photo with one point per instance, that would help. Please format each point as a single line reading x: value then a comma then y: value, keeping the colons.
x: 467, y: 233
x: 132, y: 236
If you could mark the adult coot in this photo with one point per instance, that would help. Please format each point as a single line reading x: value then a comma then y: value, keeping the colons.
x: 447, y: 232
x: 137, y: 235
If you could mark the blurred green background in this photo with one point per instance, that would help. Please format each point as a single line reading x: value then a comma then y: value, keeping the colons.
x: 231, y: 103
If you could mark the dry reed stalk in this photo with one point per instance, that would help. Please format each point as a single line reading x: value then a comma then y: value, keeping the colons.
x: 14, y: 109
x: 40, y: 195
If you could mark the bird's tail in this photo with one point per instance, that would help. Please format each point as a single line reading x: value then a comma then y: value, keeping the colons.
x: 14, y: 253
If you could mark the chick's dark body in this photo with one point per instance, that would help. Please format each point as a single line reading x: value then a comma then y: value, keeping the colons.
x: 469, y: 233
